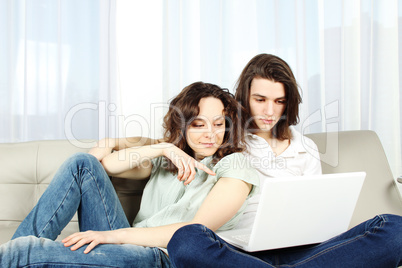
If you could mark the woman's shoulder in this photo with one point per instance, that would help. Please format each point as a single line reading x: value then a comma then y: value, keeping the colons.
x: 232, y: 158
x: 233, y: 165
x: 237, y: 166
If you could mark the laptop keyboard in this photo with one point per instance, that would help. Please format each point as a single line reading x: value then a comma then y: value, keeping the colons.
x: 242, y: 237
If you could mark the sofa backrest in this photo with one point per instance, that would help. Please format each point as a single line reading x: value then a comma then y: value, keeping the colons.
x: 349, y: 151
x: 27, y: 168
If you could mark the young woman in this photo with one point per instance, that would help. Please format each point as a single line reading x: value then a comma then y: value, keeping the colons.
x: 201, y: 141
x: 268, y: 91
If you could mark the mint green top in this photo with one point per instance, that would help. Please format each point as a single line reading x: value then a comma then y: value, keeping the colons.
x: 166, y: 200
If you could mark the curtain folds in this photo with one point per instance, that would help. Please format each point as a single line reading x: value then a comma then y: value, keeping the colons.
x: 90, y: 69
x: 346, y: 56
x: 56, y: 68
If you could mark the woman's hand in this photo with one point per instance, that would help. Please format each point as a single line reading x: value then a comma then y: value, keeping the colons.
x: 93, y: 238
x: 102, y: 149
x: 185, y: 164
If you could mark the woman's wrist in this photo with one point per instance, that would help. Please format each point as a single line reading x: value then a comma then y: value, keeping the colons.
x: 107, y: 144
x: 111, y: 144
x: 166, y: 148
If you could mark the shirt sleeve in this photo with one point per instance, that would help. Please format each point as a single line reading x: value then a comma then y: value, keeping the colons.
x: 237, y: 166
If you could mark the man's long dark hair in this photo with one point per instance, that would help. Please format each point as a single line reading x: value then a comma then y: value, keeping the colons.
x: 275, y: 69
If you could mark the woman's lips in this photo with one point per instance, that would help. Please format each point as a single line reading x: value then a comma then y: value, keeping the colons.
x: 208, y: 145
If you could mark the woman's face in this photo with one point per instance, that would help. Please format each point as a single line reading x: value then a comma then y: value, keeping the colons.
x: 267, y: 103
x: 205, y: 134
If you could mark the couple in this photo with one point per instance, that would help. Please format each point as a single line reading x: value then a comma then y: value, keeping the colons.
x: 196, y: 187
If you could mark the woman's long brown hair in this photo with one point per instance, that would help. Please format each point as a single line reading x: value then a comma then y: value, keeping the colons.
x: 184, y: 109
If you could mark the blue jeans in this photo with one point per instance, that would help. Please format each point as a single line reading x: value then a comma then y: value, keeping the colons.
x: 80, y: 185
x: 374, y: 243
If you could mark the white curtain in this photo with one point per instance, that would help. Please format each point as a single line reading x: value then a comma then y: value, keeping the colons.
x: 346, y: 55
x: 59, y: 60
x: 57, y: 71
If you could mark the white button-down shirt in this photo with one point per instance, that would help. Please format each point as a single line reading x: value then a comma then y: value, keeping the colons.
x: 300, y: 158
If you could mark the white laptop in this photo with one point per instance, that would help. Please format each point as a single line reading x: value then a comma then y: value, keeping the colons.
x: 300, y: 210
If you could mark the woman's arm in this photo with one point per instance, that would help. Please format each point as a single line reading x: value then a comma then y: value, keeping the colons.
x: 219, y: 207
x: 105, y: 146
x: 135, y: 163
x: 132, y: 162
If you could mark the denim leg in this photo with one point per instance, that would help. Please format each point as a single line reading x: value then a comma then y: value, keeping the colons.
x: 197, y: 246
x: 374, y: 243
x: 31, y: 251
x: 81, y: 184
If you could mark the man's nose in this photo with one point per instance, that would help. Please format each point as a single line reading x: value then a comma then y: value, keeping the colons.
x: 269, y: 108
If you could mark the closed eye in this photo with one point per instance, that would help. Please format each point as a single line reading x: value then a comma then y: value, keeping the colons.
x: 281, y: 101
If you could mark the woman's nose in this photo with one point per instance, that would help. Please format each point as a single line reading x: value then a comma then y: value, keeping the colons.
x: 209, y: 133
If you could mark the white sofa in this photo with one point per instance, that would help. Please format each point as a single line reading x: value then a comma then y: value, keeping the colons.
x: 27, y: 168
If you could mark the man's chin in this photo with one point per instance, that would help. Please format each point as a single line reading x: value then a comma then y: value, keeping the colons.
x: 264, y: 129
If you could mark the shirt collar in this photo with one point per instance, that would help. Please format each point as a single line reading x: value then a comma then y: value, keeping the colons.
x: 296, y: 145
